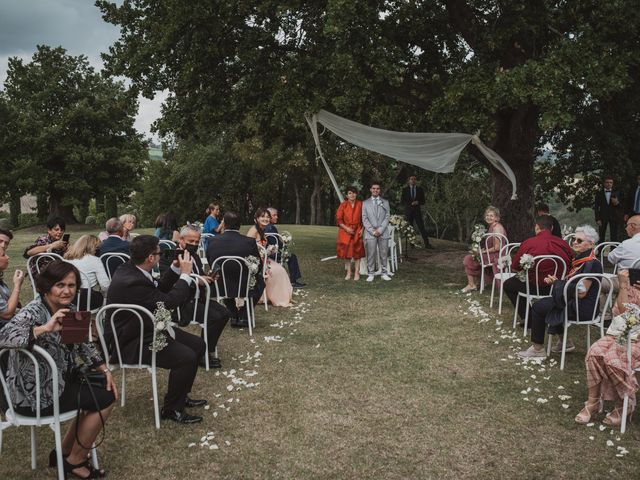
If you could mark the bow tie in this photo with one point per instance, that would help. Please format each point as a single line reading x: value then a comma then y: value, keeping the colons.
x: 608, y: 191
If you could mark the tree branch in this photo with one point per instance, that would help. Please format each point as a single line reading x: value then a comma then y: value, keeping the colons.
x: 463, y: 18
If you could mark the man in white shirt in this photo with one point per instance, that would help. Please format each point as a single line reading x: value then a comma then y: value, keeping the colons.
x: 628, y: 251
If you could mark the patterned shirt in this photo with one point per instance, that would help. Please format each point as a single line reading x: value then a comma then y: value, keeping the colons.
x: 40, y: 242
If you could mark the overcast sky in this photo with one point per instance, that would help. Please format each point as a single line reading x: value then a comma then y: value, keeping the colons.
x: 75, y: 25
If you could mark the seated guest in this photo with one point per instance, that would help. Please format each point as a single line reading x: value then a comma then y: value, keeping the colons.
x: 217, y: 316
x: 169, y: 228
x: 212, y: 223
x: 9, y: 299
x: 279, y: 288
x: 128, y: 223
x: 490, y: 251
x: 628, y: 251
x: 608, y: 374
x: 233, y: 243
x: 83, y: 255
x: 292, y: 260
x: 39, y: 323
x: 132, y: 283
x: 584, y: 261
x: 157, y: 225
x: 50, y: 243
x: 114, y: 242
x: 543, y: 209
x: 543, y: 243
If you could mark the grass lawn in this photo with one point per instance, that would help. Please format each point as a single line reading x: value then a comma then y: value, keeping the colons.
x: 394, y: 380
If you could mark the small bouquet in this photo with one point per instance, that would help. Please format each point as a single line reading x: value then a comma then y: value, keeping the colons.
x: 287, y: 243
x: 163, y: 326
x: 504, y: 262
x: 476, y: 237
x: 526, y: 262
x: 405, y: 229
x: 253, y: 263
x: 627, y: 323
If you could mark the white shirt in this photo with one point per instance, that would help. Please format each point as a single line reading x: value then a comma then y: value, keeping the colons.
x: 626, y: 253
x: 94, y: 270
x: 607, y: 195
x: 183, y: 276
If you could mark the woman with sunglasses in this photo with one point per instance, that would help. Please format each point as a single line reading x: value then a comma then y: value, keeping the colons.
x: 584, y: 261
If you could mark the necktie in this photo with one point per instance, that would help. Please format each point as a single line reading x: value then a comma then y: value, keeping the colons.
x: 413, y: 192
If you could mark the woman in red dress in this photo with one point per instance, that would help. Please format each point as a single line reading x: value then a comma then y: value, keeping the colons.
x: 349, y: 221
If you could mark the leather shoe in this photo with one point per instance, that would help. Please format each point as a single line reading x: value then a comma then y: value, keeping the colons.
x: 298, y: 284
x: 190, y: 402
x: 180, y: 416
x: 214, y: 362
x: 241, y: 323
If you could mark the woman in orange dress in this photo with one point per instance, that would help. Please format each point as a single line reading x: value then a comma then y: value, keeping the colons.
x: 349, y: 221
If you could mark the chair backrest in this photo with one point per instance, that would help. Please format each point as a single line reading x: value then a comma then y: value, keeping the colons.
x: 232, y: 268
x: 276, y: 239
x: 202, y: 251
x: 573, y: 286
x: 112, y: 261
x: 31, y: 356
x: 167, y: 245
x: 113, y: 310
x: 83, y: 297
x: 37, y: 263
x: 569, y: 238
x: 507, y: 250
x: 602, y: 249
x: 636, y: 264
x: 201, y: 290
x: 500, y: 239
x: 558, y: 269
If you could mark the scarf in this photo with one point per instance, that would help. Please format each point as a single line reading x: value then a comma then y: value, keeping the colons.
x: 579, y: 262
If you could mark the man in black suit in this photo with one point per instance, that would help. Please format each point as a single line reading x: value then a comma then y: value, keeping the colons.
x: 292, y: 262
x: 608, y: 210
x: 412, y: 198
x: 233, y: 243
x: 133, y: 283
x: 114, y: 242
x: 218, y: 315
x: 543, y: 209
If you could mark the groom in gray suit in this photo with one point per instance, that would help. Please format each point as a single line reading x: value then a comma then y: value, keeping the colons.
x: 375, y: 218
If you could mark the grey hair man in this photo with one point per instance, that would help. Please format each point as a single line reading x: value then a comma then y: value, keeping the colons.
x: 625, y: 254
x: 375, y: 218
x: 114, y: 242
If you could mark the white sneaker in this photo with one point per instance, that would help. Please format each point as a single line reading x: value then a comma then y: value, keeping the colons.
x: 370, y: 278
x: 386, y: 277
x: 531, y: 352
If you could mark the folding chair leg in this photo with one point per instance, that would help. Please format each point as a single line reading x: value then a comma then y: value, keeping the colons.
x: 482, y: 281
x: 625, y: 409
x: 122, y: 387
x: 500, y: 301
x: 250, y: 314
x: 526, y: 318
x: 94, y: 457
x: 34, y: 446
x: 564, y: 346
x: 58, y: 439
x: 493, y: 287
x: 515, y: 312
x: 156, y: 407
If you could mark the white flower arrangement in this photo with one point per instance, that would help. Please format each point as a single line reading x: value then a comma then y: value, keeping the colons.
x: 405, y: 229
x: 526, y: 262
x: 163, y: 326
x: 287, y: 240
x: 253, y: 263
x: 505, y: 262
x: 627, y: 323
x: 476, y: 237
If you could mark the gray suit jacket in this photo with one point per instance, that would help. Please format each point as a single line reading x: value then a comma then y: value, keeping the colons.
x: 375, y: 217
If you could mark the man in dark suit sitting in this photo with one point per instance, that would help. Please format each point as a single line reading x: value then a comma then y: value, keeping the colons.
x: 218, y: 315
x: 608, y: 210
x: 133, y: 283
x: 412, y: 198
x: 114, y: 242
x: 233, y: 243
x: 292, y: 262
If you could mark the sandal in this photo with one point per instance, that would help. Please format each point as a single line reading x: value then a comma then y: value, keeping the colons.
x: 468, y: 289
x: 614, y: 417
x: 591, y: 406
x: 53, y: 462
x: 93, y: 473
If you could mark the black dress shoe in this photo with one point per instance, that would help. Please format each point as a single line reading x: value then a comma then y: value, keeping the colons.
x: 180, y: 416
x: 298, y: 284
x: 190, y: 402
x: 214, y: 362
x: 241, y: 323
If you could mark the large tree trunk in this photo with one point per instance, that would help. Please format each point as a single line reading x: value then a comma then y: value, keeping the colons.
x: 313, y: 200
x: 516, y: 143
x: 111, y: 206
x: 57, y: 209
x: 15, y: 209
x: 296, y: 191
x: 42, y: 206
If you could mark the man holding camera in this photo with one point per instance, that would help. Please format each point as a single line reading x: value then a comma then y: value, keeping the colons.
x: 133, y: 283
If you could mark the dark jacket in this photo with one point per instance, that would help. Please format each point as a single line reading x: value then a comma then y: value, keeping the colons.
x: 406, y: 199
x: 131, y: 285
x: 604, y: 211
x: 231, y: 243
x: 114, y: 244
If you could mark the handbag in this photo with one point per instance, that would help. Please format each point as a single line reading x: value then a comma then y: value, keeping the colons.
x: 89, y: 380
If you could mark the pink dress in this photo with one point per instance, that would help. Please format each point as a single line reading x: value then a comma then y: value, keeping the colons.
x: 278, y: 285
x: 607, y: 364
x: 471, y: 267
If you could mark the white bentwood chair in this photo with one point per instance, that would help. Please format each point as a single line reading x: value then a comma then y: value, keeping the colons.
x: 139, y: 313
x: 598, y: 315
x: 112, y: 261
x: 504, y: 273
x: 625, y: 403
x: 559, y: 270
x: 39, y: 261
x: 485, y: 258
x: 276, y: 239
x: 53, y: 421
x: 602, y: 249
x: 229, y: 265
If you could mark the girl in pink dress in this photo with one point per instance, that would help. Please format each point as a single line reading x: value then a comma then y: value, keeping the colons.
x: 278, y: 285
x: 490, y: 251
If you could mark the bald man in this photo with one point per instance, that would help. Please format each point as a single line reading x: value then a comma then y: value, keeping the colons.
x: 628, y: 251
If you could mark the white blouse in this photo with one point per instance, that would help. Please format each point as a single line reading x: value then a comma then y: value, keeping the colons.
x: 93, y: 268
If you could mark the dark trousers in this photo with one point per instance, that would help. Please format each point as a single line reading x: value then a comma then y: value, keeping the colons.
x: 294, y: 268
x: 513, y: 286
x: 254, y: 294
x: 413, y: 214
x: 217, y: 319
x: 181, y: 356
x: 614, y: 229
x: 73, y: 396
x: 539, y: 312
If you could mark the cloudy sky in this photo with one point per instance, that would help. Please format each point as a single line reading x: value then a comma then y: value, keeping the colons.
x: 75, y: 25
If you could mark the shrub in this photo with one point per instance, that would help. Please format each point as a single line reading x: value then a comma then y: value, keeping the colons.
x: 90, y: 220
x: 101, y: 219
x: 28, y: 220
x: 5, y: 223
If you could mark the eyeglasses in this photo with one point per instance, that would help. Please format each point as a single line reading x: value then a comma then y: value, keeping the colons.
x: 578, y: 240
x: 156, y: 253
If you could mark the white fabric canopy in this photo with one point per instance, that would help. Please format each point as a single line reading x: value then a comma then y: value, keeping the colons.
x: 437, y: 152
